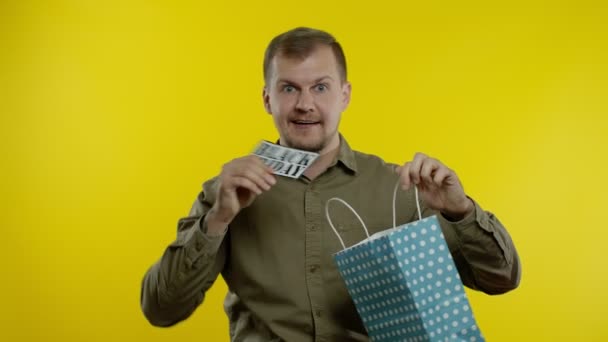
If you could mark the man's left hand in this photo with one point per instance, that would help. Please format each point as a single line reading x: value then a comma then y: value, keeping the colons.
x: 438, y: 186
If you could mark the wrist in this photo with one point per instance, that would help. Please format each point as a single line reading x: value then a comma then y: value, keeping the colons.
x: 459, y: 214
x: 215, y: 223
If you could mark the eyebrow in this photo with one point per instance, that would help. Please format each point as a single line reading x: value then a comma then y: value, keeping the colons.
x: 283, y: 80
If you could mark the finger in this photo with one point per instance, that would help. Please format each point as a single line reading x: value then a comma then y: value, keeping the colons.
x: 245, y: 174
x: 441, y: 175
x: 242, y: 182
x: 257, y: 176
x: 404, y: 176
x: 429, y: 166
x: 258, y: 172
x: 255, y: 164
x: 416, y: 165
x: 268, y: 172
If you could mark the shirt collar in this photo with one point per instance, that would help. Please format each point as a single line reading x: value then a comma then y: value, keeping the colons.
x: 346, y: 156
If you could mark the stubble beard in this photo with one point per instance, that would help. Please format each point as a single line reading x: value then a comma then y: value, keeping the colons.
x: 314, y: 146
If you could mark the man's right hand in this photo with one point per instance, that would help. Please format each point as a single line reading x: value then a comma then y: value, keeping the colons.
x: 239, y: 183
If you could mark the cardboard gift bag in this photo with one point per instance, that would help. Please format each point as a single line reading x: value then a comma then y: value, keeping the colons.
x: 404, y: 283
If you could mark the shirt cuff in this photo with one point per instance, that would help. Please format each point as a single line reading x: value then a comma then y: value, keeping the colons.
x: 196, y: 243
x: 477, y: 218
x: 467, y: 229
x: 468, y: 219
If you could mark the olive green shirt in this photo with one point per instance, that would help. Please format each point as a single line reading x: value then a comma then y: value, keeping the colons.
x: 277, y: 255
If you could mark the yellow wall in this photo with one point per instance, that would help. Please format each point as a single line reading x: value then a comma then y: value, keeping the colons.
x: 113, y: 113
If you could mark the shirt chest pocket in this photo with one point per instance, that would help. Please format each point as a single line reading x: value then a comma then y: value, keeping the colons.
x: 351, y: 230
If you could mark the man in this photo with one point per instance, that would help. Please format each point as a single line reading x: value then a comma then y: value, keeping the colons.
x: 268, y: 236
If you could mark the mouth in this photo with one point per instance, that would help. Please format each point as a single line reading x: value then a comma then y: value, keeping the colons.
x: 305, y: 123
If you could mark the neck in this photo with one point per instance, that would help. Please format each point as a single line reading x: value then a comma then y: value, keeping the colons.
x: 321, y: 164
x: 332, y: 146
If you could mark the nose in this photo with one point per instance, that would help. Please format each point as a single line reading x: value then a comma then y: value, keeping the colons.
x: 305, y: 102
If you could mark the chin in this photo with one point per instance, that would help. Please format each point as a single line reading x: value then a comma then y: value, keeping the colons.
x: 310, y: 146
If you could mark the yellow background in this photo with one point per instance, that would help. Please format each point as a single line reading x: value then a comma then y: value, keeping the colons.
x: 113, y: 113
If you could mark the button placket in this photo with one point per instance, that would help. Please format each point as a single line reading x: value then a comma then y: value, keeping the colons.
x: 314, y: 282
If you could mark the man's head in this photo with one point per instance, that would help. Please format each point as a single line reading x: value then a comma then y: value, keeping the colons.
x: 306, y: 89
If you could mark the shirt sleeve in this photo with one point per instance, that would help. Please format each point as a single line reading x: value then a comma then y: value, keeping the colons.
x: 483, y: 251
x: 176, y: 284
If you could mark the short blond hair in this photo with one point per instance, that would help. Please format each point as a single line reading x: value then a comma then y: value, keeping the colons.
x: 300, y: 43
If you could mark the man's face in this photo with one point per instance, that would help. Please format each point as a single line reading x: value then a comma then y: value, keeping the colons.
x: 306, y: 98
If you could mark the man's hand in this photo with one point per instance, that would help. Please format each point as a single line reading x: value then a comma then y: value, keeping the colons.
x: 438, y: 185
x: 239, y: 183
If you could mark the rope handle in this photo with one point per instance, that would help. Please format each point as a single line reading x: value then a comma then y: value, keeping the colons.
x: 359, y: 217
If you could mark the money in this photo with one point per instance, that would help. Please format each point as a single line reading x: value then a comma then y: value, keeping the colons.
x: 285, y: 161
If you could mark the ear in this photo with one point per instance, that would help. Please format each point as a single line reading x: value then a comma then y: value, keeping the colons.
x: 266, y: 99
x: 346, y: 90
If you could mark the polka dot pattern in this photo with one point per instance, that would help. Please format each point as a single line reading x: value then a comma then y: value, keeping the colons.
x: 405, y: 286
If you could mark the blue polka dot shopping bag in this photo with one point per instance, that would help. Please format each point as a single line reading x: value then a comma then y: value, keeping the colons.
x: 405, y: 285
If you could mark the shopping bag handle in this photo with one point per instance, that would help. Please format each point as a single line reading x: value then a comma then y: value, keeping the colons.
x: 395, y: 200
x: 359, y: 217
x: 351, y: 209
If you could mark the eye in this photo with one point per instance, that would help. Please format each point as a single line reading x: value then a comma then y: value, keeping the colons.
x: 289, y: 89
x: 321, y: 88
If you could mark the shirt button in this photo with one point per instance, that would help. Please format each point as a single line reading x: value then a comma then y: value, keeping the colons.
x: 313, y: 227
x: 318, y: 313
x: 314, y: 268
